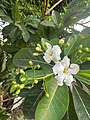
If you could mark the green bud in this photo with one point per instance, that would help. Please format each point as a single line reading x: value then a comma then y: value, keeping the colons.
x: 80, y: 51
x: 47, y: 95
x: 30, y: 63
x: 23, y: 79
x: 35, y: 81
x: 38, y: 45
x: 22, y: 86
x: 61, y: 42
x: 86, y: 49
x: 38, y: 49
x: 13, y: 82
x: 22, y: 72
x: 67, y: 44
x: 16, y: 85
x: 38, y: 66
x: 18, y: 91
x: 88, y: 58
x: 80, y: 46
x: 35, y: 54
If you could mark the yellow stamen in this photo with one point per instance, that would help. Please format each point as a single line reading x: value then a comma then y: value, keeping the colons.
x: 65, y: 70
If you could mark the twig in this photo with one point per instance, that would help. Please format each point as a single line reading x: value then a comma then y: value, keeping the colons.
x: 82, y: 25
x: 8, y: 99
x: 46, y: 6
x: 47, y: 12
x: 57, y: 3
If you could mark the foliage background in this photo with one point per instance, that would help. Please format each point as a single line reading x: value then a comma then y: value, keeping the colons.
x: 28, y: 24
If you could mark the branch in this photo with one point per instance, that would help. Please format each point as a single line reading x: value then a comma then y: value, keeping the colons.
x: 57, y: 3
x: 82, y: 25
x: 47, y: 12
x: 46, y: 6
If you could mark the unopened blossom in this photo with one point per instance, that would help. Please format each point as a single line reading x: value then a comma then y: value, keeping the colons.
x: 64, y: 71
x: 52, y: 53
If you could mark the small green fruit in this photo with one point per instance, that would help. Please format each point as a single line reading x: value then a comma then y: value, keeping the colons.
x: 22, y: 72
x: 18, y: 91
x: 35, y: 54
x: 35, y: 81
x: 30, y: 63
x: 22, y: 86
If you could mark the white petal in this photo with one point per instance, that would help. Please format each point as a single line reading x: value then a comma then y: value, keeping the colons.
x: 48, y: 46
x: 65, y: 62
x: 74, y: 68
x: 56, y: 53
x: 68, y: 79
x: 55, y: 58
x: 47, y: 58
x: 58, y: 68
x: 56, y: 49
x: 59, y: 78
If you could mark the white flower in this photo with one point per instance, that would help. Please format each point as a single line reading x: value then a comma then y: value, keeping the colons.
x: 63, y: 71
x: 52, y: 53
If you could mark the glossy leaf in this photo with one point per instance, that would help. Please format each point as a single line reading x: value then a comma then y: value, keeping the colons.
x: 22, y: 58
x: 71, y: 110
x: 56, y: 17
x: 47, y: 23
x: 32, y: 98
x: 82, y: 103
x: 54, y: 107
x: 83, y: 76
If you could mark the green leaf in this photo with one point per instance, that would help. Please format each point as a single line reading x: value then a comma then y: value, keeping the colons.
x: 74, y: 42
x: 86, y: 32
x: 25, y: 55
x: 12, y: 89
x: 13, y: 34
x: 82, y: 103
x: 47, y: 23
x: 77, y: 10
x: 83, y: 76
x: 16, y: 11
x: 25, y: 33
x: 72, y: 50
x: 54, y: 107
x: 32, y: 98
x: 71, y: 110
x: 2, y: 13
x: 85, y: 66
x: 56, y: 17
x: 6, y: 19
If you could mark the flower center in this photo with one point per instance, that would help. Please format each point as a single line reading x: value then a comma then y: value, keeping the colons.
x: 50, y: 53
x: 65, y: 70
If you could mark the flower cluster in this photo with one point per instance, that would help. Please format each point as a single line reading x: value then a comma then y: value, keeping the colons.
x: 63, y: 70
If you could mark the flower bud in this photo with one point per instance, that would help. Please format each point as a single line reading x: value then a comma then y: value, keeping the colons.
x: 61, y: 42
x: 38, y: 45
x: 38, y: 49
x: 88, y: 58
x: 47, y: 95
x: 30, y: 63
x: 35, y: 54
x: 86, y: 49
x: 22, y: 86
x: 38, y: 66
x: 18, y: 91
x: 35, y: 81
x: 80, y: 46
x: 16, y: 86
x: 23, y: 79
x: 13, y: 82
x: 80, y: 51
x: 67, y: 44
x: 22, y: 72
